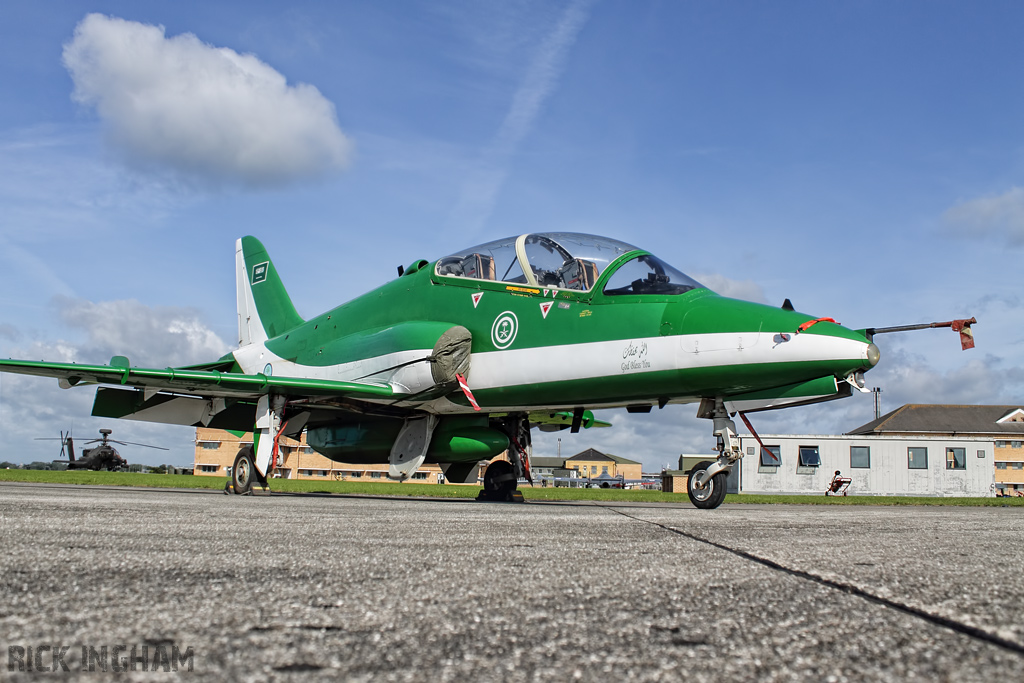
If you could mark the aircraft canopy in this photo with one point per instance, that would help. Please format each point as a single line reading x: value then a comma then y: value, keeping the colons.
x: 565, y: 260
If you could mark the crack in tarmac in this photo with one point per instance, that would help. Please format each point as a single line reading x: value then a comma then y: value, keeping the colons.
x: 937, y: 619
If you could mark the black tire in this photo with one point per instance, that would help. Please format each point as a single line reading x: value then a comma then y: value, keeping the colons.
x: 712, y: 495
x: 243, y: 472
x: 500, y: 480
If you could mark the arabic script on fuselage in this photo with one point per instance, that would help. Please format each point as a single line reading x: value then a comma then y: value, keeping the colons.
x: 634, y: 357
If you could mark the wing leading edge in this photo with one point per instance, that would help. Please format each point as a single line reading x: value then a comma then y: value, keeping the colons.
x: 202, y: 383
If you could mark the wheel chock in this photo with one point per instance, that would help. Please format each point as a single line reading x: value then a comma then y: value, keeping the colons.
x: 511, y: 497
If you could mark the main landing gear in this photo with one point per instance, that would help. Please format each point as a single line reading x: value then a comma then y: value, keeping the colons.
x: 501, y: 478
x: 706, y: 482
x: 244, y: 474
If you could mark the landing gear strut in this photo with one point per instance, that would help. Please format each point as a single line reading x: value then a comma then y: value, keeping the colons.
x: 706, y: 484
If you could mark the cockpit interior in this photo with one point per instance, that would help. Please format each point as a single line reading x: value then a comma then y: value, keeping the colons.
x: 572, y: 261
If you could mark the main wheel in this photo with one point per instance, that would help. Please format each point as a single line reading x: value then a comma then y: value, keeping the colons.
x: 500, y: 480
x: 712, y: 494
x: 243, y: 472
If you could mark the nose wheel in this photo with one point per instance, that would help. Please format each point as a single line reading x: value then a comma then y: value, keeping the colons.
x: 712, y: 493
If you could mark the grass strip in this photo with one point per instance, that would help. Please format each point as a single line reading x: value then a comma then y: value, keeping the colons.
x: 455, y: 491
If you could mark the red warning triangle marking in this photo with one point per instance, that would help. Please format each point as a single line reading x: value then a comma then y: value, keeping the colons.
x: 476, y: 298
x: 545, y: 307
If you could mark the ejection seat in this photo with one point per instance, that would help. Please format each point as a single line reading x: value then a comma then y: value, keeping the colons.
x: 578, y: 274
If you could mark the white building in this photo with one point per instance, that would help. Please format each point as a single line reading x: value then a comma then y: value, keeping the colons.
x: 878, y: 465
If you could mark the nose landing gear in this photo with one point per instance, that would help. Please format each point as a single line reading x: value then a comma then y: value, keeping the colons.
x: 706, y: 482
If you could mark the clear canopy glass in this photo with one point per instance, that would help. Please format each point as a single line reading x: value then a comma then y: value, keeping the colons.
x: 648, y: 274
x: 559, y: 260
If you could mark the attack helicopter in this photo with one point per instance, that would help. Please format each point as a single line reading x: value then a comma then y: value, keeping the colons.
x: 101, y: 457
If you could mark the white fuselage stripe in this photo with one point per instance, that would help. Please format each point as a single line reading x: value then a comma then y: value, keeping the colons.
x: 591, y: 360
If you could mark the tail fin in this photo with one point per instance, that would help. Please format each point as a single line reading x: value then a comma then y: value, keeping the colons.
x: 264, y: 308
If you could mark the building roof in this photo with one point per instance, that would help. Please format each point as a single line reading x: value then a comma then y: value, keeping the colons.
x: 916, y: 418
x: 591, y: 455
x: 540, y: 461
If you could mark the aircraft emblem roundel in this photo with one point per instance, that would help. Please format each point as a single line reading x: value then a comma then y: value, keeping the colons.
x: 504, y: 330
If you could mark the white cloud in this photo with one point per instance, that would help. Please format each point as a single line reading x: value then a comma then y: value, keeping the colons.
x: 150, y: 336
x: 204, y: 112
x: 1000, y: 216
x: 33, y: 407
x: 748, y: 290
x: 986, y: 380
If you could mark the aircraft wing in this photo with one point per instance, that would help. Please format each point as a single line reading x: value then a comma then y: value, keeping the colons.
x: 205, y: 383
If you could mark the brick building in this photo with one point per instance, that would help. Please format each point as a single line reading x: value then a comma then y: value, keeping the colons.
x: 216, y: 450
x: 595, y: 464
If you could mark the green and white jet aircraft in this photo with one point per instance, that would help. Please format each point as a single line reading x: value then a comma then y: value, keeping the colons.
x: 454, y: 360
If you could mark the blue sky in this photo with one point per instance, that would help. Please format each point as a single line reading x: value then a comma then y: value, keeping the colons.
x: 863, y: 159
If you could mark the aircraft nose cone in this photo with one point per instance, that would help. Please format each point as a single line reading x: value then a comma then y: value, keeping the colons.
x: 873, y: 354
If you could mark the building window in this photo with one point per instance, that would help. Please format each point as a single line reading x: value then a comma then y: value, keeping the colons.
x: 981, y: 454
x: 771, y: 456
x: 356, y: 475
x: 809, y: 456
x: 374, y: 475
x: 917, y: 458
x: 956, y: 458
x: 1017, y: 444
x: 420, y: 475
x: 593, y: 469
x: 209, y: 445
x: 1001, y: 465
x: 209, y: 468
x: 860, y: 457
x: 1017, y: 465
x: 1002, y: 444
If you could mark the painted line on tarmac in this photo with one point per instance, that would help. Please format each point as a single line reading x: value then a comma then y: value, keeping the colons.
x: 937, y: 619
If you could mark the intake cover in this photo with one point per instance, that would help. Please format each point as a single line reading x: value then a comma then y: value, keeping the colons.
x: 451, y: 355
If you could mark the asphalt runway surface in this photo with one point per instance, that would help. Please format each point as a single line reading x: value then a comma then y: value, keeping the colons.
x: 360, y: 588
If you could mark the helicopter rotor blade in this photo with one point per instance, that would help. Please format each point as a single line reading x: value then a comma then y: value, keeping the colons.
x: 144, y: 445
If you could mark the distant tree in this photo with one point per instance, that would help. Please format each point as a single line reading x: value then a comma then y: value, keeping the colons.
x: 9, y: 465
x: 162, y: 469
x: 37, y: 466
